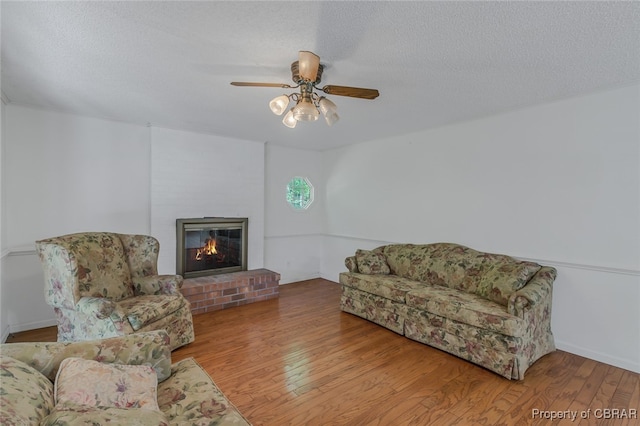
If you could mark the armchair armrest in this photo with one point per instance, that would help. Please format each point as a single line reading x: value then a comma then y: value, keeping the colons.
x: 157, y: 284
x: 150, y: 348
x: 99, y: 307
x: 537, y: 292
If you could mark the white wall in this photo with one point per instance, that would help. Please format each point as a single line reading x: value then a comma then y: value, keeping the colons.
x: 294, y: 238
x: 62, y: 174
x: 65, y: 173
x: 558, y: 183
x: 197, y: 175
x: 4, y: 318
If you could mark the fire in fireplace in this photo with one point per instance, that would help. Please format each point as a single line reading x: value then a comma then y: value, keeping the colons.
x: 211, y: 245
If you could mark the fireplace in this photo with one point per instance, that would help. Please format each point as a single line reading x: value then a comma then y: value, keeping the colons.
x: 211, y: 245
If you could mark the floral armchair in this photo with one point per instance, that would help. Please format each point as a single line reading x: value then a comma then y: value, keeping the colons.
x: 103, y: 284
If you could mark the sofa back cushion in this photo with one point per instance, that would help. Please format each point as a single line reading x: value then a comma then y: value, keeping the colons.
x: 492, y: 276
x: 443, y: 264
x: 27, y: 395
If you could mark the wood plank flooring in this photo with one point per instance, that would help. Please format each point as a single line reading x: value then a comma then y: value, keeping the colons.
x: 299, y: 360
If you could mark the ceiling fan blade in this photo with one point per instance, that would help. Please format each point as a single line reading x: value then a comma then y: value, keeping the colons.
x: 354, y: 92
x: 246, y: 84
x: 308, y: 63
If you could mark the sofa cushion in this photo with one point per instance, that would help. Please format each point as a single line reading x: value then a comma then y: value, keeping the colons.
x: 85, y: 382
x: 190, y: 397
x: 75, y: 415
x: 502, y: 275
x: 390, y: 287
x: 26, y: 395
x: 143, y: 310
x: 371, y: 262
x: 444, y: 264
x: 466, y: 308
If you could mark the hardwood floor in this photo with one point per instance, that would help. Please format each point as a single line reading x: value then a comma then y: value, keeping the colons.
x: 299, y: 360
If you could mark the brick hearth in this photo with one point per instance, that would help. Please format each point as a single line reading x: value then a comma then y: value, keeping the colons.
x: 215, y: 292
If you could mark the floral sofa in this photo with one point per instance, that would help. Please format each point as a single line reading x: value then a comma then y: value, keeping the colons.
x: 490, y: 309
x: 125, y: 380
x: 102, y: 284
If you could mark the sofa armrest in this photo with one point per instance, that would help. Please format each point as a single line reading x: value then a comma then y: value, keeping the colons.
x: 157, y: 284
x: 99, y: 307
x: 537, y: 292
x: 149, y: 348
x: 351, y: 264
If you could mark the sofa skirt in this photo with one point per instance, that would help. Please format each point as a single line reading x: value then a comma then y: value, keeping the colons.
x: 374, y: 308
x: 507, y: 356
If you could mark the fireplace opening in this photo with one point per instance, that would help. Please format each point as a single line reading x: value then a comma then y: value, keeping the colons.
x: 211, y: 245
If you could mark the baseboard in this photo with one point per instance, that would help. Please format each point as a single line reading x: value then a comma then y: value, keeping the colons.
x: 17, y: 328
x: 626, y: 364
x: 5, y: 334
x: 294, y: 278
x: 329, y: 278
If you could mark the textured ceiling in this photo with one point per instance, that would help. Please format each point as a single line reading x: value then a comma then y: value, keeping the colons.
x: 169, y: 64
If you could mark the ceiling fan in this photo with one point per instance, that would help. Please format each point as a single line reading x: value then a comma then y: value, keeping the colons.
x: 306, y: 72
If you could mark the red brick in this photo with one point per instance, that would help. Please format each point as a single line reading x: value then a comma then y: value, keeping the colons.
x: 211, y: 293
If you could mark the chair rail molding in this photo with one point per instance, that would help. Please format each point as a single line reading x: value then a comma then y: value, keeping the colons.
x: 548, y: 262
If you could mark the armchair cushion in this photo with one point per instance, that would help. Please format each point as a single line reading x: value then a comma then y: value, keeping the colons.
x: 96, y: 306
x: 26, y: 395
x: 86, y: 382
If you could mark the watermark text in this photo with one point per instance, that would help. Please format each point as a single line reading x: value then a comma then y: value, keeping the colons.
x: 573, y: 415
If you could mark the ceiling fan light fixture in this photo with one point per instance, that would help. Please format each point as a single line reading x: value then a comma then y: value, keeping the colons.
x: 289, y: 120
x: 305, y: 110
x: 279, y: 104
x: 306, y: 73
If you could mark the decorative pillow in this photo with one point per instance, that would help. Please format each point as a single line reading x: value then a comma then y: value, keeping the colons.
x: 504, y: 276
x: 372, y: 262
x: 350, y: 263
x: 26, y: 395
x: 91, y: 383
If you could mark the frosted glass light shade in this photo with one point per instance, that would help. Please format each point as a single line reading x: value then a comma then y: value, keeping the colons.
x: 305, y: 111
x: 279, y: 105
x: 308, y: 63
x: 289, y: 120
x: 331, y: 118
x: 327, y: 107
